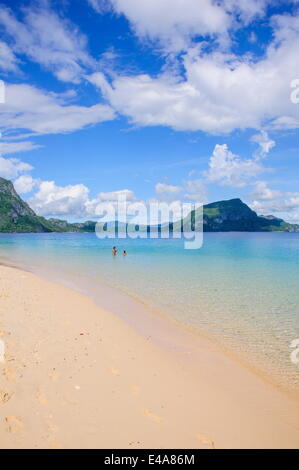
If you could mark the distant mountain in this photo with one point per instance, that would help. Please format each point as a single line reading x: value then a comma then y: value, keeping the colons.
x: 235, y: 216
x: 222, y: 216
x: 64, y: 226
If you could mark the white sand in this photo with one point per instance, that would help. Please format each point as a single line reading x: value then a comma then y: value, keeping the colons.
x: 77, y: 376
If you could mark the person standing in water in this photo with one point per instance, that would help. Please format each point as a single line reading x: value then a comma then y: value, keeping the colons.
x: 124, y: 253
x: 114, y: 250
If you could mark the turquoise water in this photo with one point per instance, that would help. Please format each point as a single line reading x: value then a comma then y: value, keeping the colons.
x: 239, y: 288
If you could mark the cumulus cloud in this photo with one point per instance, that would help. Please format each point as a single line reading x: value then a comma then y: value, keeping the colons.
x: 263, y: 192
x: 114, y: 196
x: 112, y: 203
x: 286, y: 207
x: 174, y: 23
x: 195, y: 191
x: 51, y: 199
x: 266, y: 200
x: 228, y: 169
x: 30, y: 108
x: 189, y: 191
x: 49, y: 40
x: 25, y: 184
x: 11, y: 168
x: 217, y: 91
x: 163, y: 188
x: 73, y: 200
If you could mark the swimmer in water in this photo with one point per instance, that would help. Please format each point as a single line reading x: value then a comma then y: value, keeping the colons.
x: 124, y: 253
x: 114, y: 250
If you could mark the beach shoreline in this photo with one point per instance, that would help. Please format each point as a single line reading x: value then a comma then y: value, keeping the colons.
x: 76, y: 375
x: 164, y: 329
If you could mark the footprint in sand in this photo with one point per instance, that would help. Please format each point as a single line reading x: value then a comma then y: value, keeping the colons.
x: 52, y: 427
x: 14, y: 424
x: 41, y: 398
x: 135, y: 389
x: 4, y: 333
x: 137, y: 443
x: 205, y: 440
x: 152, y: 416
x: 10, y: 375
x: 53, y: 375
x: 114, y: 371
x: 4, y: 396
x: 69, y: 401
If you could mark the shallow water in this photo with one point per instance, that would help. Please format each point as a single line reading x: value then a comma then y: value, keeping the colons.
x: 239, y: 288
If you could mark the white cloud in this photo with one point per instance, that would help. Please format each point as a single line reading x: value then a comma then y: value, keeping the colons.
x: 174, y: 23
x: 163, y: 188
x: 217, y: 92
x: 25, y: 184
x: 41, y: 112
x: 195, y: 190
x: 11, y: 168
x: 286, y: 208
x: 247, y: 10
x: 15, y: 147
x: 190, y: 190
x: 263, y: 192
x: 283, y: 204
x: 100, y: 6
x: 51, y: 199
x: 15, y: 169
x: 8, y: 60
x: 73, y: 200
x: 164, y: 211
x: 292, y: 217
x: 114, y: 200
x: 228, y: 169
x: 114, y: 196
x: 265, y: 143
x: 49, y: 40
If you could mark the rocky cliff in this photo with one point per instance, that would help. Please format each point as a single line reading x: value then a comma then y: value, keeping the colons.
x: 17, y: 216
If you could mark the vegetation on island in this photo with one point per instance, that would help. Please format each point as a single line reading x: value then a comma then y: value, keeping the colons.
x: 223, y: 216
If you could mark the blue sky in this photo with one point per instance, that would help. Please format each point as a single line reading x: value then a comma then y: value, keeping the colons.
x: 163, y: 99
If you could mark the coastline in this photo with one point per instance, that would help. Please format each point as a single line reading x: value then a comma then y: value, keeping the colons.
x: 249, y: 308
x: 164, y: 329
x: 76, y: 375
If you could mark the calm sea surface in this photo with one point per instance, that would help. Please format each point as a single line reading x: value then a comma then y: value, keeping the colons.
x: 242, y: 289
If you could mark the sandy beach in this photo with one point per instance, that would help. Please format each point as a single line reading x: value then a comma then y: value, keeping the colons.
x: 78, y: 376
